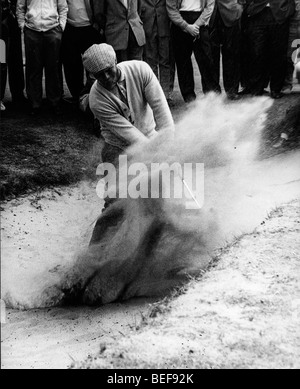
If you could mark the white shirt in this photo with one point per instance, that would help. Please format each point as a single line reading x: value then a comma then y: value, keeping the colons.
x: 77, y: 15
x: 191, y: 6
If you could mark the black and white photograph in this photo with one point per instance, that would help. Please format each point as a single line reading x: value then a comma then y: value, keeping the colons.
x: 150, y: 187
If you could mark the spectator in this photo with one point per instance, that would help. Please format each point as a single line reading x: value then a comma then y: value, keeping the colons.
x: 157, y: 50
x: 292, y: 46
x: 81, y: 32
x: 43, y: 22
x: 226, y: 38
x: 123, y: 28
x: 5, y: 10
x: 268, y: 30
x: 15, y: 57
x: 190, y: 33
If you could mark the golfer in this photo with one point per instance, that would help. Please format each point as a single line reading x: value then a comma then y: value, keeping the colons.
x: 127, y: 99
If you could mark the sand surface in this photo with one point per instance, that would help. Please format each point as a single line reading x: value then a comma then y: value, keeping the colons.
x: 41, y: 235
x: 243, y: 314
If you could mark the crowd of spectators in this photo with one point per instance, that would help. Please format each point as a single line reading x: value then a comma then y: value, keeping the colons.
x: 257, y: 41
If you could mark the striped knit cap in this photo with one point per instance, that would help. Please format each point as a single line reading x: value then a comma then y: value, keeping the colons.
x: 98, y: 58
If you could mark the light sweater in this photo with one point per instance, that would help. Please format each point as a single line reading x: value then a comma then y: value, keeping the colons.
x: 146, y: 113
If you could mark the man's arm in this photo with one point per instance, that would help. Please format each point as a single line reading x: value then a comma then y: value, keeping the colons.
x: 21, y: 12
x: 206, y: 14
x: 114, y: 122
x: 175, y: 16
x: 62, y: 8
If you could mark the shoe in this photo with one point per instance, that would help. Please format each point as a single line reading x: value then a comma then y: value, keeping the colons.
x: 170, y: 102
x: 287, y: 90
x: 244, y: 92
x: 276, y: 95
x: 190, y: 99
x: 18, y: 100
x: 281, y: 141
x: 35, y: 111
x: 233, y: 96
x: 3, y: 108
x: 57, y: 110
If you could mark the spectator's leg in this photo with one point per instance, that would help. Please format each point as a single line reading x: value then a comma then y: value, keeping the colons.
x: 245, y: 54
x: 135, y: 52
x: 183, y: 49
x: 204, y: 58
x: 151, y: 55
x: 122, y: 55
x: 172, y: 66
x: 216, y: 42
x: 34, y: 66
x: 288, y: 83
x: 164, y: 64
x: 15, y: 62
x: 231, y: 58
x: 52, y: 52
x: 258, y: 50
x: 71, y: 58
x: 3, y: 79
x: 4, y: 38
x: 279, y: 48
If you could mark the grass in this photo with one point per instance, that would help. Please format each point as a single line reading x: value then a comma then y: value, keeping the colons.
x: 46, y: 150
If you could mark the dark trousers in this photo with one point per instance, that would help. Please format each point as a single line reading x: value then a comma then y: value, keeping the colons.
x: 184, y: 45
x: 76, y: 40
x: 110, y: 154
x: 133, y: 51
x: 4, y: 45
x: 268, y: 45
x: 15, y: 60
x: 43, y: 52
x: 228, y: 41
x: 157, y: 55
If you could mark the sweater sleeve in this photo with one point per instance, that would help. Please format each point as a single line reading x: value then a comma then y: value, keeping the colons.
x: 20, y: 13
x: 206, y: 14
x: 115, y: 123
x: 174, y: 14
x: 62, y: 7
x: 157, y: 100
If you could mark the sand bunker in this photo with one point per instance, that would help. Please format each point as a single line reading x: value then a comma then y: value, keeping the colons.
x: 156, y: 242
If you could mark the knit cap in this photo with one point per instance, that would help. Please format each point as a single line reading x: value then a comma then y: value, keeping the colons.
x: 98, y: 58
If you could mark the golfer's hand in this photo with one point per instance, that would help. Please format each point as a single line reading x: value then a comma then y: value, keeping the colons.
x: 193, y: 30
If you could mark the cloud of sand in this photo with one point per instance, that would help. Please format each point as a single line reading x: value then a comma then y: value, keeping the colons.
x: 155, y: 241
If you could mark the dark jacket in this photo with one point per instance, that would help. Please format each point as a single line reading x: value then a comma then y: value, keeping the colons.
x: 115, y: 19
x: 230, y: 11
x: 281, y: 9
x: 155, y: 11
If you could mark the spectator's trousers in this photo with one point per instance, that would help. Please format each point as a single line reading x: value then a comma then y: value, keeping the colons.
x: 76, y: 40
x: 157, y: 54
x: 184, y: 45
x: 133, y: 51
x: 4, y: 39
x: 15, y: 60
x: 43, y: 52
x: 268, y: 45
x: 228, y: 41
x: 294, y: 34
